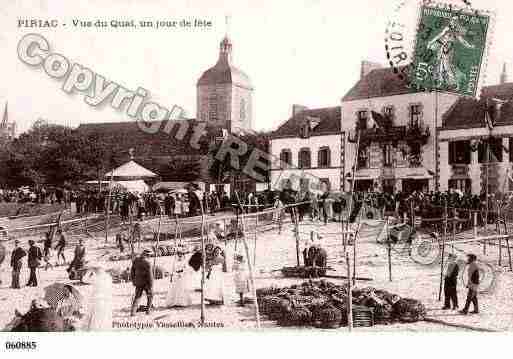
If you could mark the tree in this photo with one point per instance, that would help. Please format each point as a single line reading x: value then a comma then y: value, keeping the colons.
x: 221, y: 171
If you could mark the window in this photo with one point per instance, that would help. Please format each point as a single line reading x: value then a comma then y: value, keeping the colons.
x: 304, y: 158
x: 304, y: 131
x: 494, y: 150
x: 323, y: 157
x: 363, y: 158
x: 459, y: 152
x: 362, y: 117
x: 286, y: 158
x: 388, y: 157
x: 415, y: 115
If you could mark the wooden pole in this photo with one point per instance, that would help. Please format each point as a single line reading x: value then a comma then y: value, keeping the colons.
x: 499, y: 232
x: 412, y: 214
x: 474, y: 222
x: 157, y: 244
x: 349, y: 295
x: 453, y: 228
x: 256, y: 235
x: 176, y: 229
x: 107, y: 217
x: 443, y: 253
x: 507, y: 244
x: 203, y: 264
x: 389, y: 250
x: 350, y: 207
x: 296, y: 233
x: 250, y: 268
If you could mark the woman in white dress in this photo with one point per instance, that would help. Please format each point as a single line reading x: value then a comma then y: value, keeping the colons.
x: 99, y: 306
x: 215, y: 291
x: 180, y: 292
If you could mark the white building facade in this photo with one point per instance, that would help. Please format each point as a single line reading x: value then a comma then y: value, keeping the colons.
x: 401, y: 157
x: 473, y: 156
x: 309, y: 150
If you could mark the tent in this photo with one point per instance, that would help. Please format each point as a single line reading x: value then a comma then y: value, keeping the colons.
x: 130, y: 171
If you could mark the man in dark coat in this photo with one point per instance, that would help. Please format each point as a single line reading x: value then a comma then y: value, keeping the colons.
x: 34, y: 261
x: 450, y: 283
x: 473, y: 284
x: 142, y: 279
x: 61, y: 245
x: 16, y: 263
x: 78, y: 261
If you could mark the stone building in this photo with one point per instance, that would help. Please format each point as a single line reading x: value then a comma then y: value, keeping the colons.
x: 308, y: 146
x: 471, y: 153
x: 225, y: 94
x: 401, y: 156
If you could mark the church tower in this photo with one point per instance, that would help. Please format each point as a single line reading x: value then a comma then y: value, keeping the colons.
x: 504, y: 74
x: 7, y: 129
x: 225, y: 94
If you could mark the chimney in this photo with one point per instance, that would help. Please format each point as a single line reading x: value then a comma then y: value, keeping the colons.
x: 504, y: 74
x: 297, y: 109
x: 367, y: 67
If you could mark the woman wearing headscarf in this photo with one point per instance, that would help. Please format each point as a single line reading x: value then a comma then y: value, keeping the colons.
x: 215, y: 291
x: 99, y: 306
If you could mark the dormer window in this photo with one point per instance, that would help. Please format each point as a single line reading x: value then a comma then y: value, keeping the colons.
x: 363, y: 119
x: 304, y: 131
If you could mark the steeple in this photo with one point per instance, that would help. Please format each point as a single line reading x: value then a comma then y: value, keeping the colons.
x: 504, y: 74
x: 5, y: 118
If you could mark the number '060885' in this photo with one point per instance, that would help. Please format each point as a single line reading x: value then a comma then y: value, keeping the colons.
x: 20, y: 345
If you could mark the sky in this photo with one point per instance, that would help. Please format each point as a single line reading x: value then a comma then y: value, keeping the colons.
x: 304, y: 52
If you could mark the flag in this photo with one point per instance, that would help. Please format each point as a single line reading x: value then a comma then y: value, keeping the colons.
x: 488, y: 117
x: 383, y: 122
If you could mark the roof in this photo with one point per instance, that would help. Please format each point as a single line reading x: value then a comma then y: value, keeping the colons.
x: 378, y: 83
x: 469, y: 112
x: 131, y: 169
x: 329, y: 117
x: 223, y: 72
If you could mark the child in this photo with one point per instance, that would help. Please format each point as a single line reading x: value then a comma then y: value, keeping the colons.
x: 240, y: 277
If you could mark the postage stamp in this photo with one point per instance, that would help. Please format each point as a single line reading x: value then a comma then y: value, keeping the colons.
x: 445, y: 50
x: 450, y: 49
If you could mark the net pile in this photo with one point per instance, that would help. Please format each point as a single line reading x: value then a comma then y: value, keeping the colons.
x: 323, y: 304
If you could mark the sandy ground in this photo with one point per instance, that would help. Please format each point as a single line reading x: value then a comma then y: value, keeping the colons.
x: 272, y: 251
